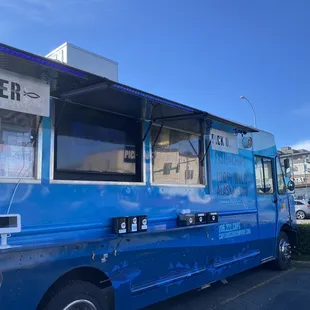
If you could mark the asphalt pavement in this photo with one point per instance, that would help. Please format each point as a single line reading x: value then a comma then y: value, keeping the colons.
x: 260, y: 288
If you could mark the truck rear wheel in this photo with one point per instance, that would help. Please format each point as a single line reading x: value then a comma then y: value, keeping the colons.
x: 283, y: 260
x: 77, y: 295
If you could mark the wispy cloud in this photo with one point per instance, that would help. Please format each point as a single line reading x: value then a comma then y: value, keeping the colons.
x: 46, y: 12
x: 305, y: 145
x: 303, y: 110
x: 33, y: 10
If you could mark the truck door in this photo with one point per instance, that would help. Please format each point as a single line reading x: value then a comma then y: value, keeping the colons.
x: 266, y: 206
x: 283, y: 204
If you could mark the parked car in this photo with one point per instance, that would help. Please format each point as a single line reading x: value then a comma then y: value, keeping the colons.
x: 302, y: 209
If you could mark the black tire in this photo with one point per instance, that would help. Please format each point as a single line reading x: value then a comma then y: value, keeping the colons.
x: 84, y: 293
x: 284, y: 253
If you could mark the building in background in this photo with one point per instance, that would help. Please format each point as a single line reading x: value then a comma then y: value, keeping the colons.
x: 299, y: 163
x: 82, y: 59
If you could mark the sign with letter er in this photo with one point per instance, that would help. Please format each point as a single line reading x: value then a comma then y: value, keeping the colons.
x: 223, y: 141
x: 24, y: 94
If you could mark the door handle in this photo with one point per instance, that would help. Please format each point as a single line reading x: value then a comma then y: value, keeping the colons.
x: 275, y: 199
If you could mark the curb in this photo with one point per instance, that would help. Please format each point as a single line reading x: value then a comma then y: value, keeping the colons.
x: 301, y: 263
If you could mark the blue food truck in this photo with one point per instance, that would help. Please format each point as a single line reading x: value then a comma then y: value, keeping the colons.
x: 114, y: 198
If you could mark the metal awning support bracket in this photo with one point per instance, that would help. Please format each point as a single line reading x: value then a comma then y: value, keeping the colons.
x: 206, y: 152
x: 179, y: 117
x: 147, y: 131
x: 84, y: 90
x: 158, y: 134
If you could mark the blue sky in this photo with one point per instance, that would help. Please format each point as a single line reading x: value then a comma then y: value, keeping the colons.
x: 204, y: 53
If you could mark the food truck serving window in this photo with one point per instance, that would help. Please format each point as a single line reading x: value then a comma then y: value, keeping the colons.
x: 18, y: 132
x: 96, y: 146
x: 175, y: 156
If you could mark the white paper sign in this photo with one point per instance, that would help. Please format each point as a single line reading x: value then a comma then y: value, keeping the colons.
x: 16, y: 161
x: 224, y: 141
x: 24, y: 94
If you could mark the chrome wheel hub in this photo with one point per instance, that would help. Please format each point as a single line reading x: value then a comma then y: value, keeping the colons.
x: 81, y: 304
x: 300, y: 215
x: 285, y: 250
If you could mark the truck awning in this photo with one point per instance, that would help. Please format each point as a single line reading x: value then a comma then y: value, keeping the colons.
x: 69, y: 84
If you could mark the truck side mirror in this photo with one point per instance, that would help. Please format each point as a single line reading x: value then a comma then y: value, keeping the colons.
x: 290, y: 185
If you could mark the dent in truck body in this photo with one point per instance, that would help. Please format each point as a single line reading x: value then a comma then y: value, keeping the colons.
x: 67, y: 225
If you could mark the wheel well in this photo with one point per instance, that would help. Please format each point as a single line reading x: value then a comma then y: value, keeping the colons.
x: 291, y: 234
x: 286, y: 228
x: 88, y: 274
x: 300, y: 210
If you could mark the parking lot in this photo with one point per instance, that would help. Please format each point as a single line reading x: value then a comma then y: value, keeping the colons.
x: 260, y: 288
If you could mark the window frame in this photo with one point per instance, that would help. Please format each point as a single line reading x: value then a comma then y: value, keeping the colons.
x: 53, y: 152
x: 202, y: 146
x: 272, y: 171
x: 278, y: 162
x: 38, y: 148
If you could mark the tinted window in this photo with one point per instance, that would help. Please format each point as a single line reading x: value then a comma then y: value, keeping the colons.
x: 264, y: 176
x: 18, y: 132
x: 97, y: 146
x: 175, y: 156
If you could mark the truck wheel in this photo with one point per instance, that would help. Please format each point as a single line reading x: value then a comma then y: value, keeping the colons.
x: 283, y: 260
x: 77, y: 295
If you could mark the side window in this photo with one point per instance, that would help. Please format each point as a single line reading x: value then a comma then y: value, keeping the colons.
x: 280, y: 179
x: 175, y: 156
x: 259, y: 174
x: 96, y: 146
x: 18, y: 145
x: 267, y: 163
x: 264, y: 176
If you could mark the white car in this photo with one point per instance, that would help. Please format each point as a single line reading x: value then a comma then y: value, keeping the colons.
x: 302, y: 209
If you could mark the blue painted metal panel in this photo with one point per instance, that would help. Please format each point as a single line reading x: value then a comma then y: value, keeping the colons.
x: 66, y: 226
x: 267, y: 211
